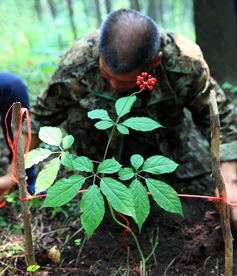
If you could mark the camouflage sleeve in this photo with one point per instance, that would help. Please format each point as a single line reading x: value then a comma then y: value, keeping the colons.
x: 198, y: 103
x: 51, y: 107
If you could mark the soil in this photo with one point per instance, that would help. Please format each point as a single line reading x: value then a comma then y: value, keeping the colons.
x: 192, y: 245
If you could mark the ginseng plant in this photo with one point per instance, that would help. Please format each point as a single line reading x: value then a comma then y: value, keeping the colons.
x: 105, y: 178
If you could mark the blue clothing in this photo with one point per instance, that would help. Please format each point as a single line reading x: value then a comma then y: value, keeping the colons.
x: 12, y: 89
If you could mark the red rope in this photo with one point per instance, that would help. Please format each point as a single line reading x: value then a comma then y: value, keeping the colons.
x: 209, y: 198
x: 13, y: 144
x: 125, y: 242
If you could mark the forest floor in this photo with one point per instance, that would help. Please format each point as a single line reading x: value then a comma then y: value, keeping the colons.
x: 192, y: 245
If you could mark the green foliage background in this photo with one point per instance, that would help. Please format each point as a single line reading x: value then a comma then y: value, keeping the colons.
x: 30, y: 46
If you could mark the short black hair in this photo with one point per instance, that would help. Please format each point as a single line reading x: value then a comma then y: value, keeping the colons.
x: 128, y: 40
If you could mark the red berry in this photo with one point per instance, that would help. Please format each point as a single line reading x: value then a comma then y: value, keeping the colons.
x: 144, y: 88
x: 144, y: 74
x: 150, y: 87
x: 138, y: 82
x: 149, y: 81
x: 149, y: 76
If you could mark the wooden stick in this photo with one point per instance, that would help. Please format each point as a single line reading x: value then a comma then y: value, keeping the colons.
x: 216, y: 173
x: 25, y: 212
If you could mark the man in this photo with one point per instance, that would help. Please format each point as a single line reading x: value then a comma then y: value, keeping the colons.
x: 12, y: 89
x: 103, y: 66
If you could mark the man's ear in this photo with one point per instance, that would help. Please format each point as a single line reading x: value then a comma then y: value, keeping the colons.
x: 157, y: 60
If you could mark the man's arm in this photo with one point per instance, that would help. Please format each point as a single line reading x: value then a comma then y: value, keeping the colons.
x: 7, y: 185
x: 229, y: 173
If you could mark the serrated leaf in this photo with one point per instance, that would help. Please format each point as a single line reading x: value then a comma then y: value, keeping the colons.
x: 35, y: 156
x: 92, y: 206
x: 118, y: 195
x: 104, y: 124
x: 51, y: 135
x: 141, y: 202
x: 159, y: 164
x: 126, y: 173
x: 47, y: 175
x: 83, y: 164
x: 63, y: 191
x: 124, y: 105
x: 67, y: 160
x: 136, y: 161
x: 99, y: 114
x: 68, y: 141
x: 109, y: 166
x: 122, y: 129
x: 164, y: 195
x: 141, y: 123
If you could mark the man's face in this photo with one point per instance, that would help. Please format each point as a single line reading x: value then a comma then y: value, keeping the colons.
x: 120, y: 83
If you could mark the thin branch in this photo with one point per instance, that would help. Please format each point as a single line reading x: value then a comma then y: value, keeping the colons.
x: 216, y: 173
x: 25, y: 212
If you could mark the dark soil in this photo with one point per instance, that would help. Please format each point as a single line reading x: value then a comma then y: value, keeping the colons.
x: 192, y: 245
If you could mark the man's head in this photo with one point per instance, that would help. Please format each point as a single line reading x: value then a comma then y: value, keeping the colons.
x: 129, y: 42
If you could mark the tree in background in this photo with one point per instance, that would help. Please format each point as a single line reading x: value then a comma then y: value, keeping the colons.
x: 135, y: 5
x: 216, y: 33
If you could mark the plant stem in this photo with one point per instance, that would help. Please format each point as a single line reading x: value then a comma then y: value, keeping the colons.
x: 15, y: 123
x: 134, y: 237
x: 114, y: 126
x: 216, y: 172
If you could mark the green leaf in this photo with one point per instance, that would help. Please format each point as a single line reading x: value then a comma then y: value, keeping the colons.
x: 68, y: 141
x: 136, y: 161
x: 109, y: 166
x: 32, y: 268
x: 104, y: 124
x: 141, y: 123
x: 83, y: 164
x: 35, y: 156
x: 63, y: 191
x: 234, y: 89
x: 92, y: 206
x: 159, y: 164
x: 227, y: 85
x: 51, y: 135
x: 47, y: 175
x: 126, y: 173
x: 67, y: 160
x: 99, y: 114
x: 164, y: 195
x: 118, y: 195
x: 124, y: 105
x: 141, y: 202
x: 122, y: 129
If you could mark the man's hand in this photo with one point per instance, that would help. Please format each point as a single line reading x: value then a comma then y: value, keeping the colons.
x: 6, y: 186
x: 229, y: 173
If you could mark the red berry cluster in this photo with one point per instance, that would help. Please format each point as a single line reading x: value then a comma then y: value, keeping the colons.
x: 146, y: 81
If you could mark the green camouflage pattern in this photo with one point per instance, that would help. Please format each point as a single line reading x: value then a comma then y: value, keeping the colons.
x: 179, y: 102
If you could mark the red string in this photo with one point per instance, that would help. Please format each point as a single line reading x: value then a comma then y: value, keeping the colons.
x: 209, y: 198
x: 3, y: 204
x: 13, y: 144
x: 125, y: 242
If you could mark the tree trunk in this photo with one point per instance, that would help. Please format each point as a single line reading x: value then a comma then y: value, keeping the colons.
x: 154, y: 10
x: 108, y: 6
x: 38, y: 9
x: 98, y: 13
x: 134, y: 4
x: 53, y: 9
x: 216, y: 33
x: 72, y: 22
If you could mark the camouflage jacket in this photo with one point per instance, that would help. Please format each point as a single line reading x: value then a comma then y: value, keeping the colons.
x: 182, y: 92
